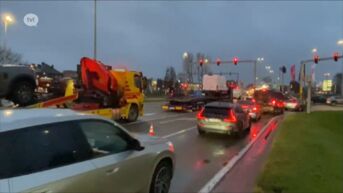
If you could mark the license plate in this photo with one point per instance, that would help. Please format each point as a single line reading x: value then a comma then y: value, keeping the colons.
x: 171, y: 108
x: 213, y: 120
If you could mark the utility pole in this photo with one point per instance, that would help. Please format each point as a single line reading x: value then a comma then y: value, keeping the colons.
x: 309, y: 91
x: 95, y: 30
x: 255, y: 72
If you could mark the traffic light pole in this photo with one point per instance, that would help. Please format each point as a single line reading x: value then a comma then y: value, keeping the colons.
x: 304, y: 78
x: 243, y: 61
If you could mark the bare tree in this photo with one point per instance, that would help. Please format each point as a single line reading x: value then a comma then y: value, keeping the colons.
x: 7, y: 56
x: 170, y: 77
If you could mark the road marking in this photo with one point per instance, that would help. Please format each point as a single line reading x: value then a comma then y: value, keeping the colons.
x: 148, y: 114
x: 179, y: 132
x: 210, y: 185
x: 180, y: 119
x: 147, y: 120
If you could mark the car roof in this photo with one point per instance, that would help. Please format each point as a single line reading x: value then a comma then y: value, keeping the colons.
x: 11, y: 119
x: 220, y: 104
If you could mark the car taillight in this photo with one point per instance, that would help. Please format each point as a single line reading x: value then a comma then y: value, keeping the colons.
x: 273, y: 102
x: 244, y: 106
x: 232, y: 117
x: 200, y: 115
x: 254, y: 109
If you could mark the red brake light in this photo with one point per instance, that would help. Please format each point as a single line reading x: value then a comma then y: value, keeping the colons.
x: 273, y: 102
x: 254, y: 109
x: 200, y: 115
x: 244, y: 106
x: 232, y: 117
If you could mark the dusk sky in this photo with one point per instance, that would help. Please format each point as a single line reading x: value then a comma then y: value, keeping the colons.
x: 150, y: 35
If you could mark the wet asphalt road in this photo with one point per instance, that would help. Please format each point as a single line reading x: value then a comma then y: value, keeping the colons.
x: 198, y: 158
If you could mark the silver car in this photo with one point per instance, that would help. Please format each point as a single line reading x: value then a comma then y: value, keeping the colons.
x: 334, y: 100
x: 223, y: 118
x: 49, y: 151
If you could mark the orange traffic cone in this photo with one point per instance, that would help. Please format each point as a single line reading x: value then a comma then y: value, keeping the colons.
x: 151, y: 130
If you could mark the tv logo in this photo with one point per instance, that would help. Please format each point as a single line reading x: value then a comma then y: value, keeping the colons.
x: 31, y: 20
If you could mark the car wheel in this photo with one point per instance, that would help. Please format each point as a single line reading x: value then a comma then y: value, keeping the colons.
x: 161, y: 178
x: 23, y: 93
x: 333, y: 103
x: 133, y: 113
x: 240, y: 130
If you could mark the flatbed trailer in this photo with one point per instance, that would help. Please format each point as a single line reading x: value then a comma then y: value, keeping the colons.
x: 68, y: 101
x: 189, y: 104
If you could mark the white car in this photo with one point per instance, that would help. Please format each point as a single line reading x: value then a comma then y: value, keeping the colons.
x: 54, y: 150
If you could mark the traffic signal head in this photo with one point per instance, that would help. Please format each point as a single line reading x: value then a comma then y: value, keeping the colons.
x: 335, y: 56
x: 218, y: 61
x: 235, y: 60
x: 283, y: 69
x: 316, y: 58
x: 201, y: 62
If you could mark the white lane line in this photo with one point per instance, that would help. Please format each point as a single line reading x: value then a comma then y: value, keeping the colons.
x: 180, y: 119
x: 148, y: 114
x: 147, y: 120
x: 209, y: 186
x: 179, y: 132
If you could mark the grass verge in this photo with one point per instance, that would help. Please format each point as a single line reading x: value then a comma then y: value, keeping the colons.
x: 306, y: 155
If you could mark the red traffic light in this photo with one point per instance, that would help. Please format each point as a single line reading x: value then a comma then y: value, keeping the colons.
x: 335, y: 56
x: 316, y: 58
x: 201, y: 62
x: 235, y: 60
x: 218, y: 61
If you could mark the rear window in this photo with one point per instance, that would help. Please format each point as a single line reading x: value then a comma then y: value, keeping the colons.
x: 216, y: 112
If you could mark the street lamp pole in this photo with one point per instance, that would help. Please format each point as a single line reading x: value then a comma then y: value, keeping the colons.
x: 340, y: 43
x: 95, y: 29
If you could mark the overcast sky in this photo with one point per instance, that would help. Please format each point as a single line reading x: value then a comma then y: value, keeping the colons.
x: 151, y: 35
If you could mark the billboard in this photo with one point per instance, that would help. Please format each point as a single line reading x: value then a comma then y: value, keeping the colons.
x: 327, y: 85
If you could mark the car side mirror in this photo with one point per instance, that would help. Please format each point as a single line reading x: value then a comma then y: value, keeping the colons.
x: 136, y: 145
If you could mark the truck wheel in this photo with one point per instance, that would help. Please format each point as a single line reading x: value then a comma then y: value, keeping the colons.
x: 23, y: 93
x: 201, y: 132
x: 133, y: 113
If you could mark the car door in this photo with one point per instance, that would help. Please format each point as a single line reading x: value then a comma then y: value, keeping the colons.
x: 242, y: 116
x: 47, y: 159
x: 339, y: 100
x: 4, y: 185
x: 120, y: 168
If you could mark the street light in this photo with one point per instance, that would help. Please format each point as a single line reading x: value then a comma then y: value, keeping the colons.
x: 314, y: 50
x: 185, y: 55
x: 260, y: 59
x: 340, y: 43
x: 7, y: 19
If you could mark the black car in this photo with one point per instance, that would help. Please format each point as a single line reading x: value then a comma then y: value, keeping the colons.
x: 319, y: 99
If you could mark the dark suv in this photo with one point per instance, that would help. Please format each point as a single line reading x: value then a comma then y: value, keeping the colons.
x: 17, y: 83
